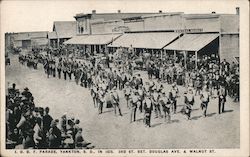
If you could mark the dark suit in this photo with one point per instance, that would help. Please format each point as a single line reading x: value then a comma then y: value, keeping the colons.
x: 222, y: 99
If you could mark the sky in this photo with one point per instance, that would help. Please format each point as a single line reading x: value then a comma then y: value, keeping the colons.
x: 38, y: 15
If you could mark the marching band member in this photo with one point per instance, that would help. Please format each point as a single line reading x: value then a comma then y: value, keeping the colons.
x: 204, y: 100
x: 134, y: 102
x: 127, y: 93
x: 155, y: 100
x: 189, y: 102
x: 173, y: 96
x: 115, y: 100
x: 101, y: 97
x: 141, y: 97
x: 166, y: 104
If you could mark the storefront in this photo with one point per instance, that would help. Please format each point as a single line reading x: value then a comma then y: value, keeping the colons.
x: 151, y: 42
x: 93, y: 44
x: 193, y: 46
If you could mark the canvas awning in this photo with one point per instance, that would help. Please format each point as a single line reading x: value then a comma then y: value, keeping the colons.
x: 152, y: 40
x: 191, y: 42
x: 96, y: 39
x: 52, y: 35
x: 22, y: 36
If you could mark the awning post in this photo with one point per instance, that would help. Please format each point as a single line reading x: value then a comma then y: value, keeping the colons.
x: 84, y: 50
x: 174, y: 55
x: 185, y: 59
x: 161, y: 54
x: 196, y: 60
x: 58, y: 42
x: 94, y: 49
x: 49, y: 43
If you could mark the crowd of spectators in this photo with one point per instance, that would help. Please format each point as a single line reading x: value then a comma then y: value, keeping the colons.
x: 30, y: 126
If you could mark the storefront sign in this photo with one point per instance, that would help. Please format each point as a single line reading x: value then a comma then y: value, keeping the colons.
x: 188, y: 30
x: 120, y: 29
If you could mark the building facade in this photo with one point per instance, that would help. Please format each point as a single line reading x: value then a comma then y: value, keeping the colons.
x: 217, y: 33
x: 62, y: 31
x: 27, y: 40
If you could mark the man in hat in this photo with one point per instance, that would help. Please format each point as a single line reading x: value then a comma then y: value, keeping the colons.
x: 119, y: 78
x: 53, y: 68
x: 101, y: 97
x: 222, y: 98
x: 64, y: 69
x: 138, y: 81
x: 55, y: 137
x: 189, y: 102
x: 26, y: 124
x: 114, y: 78
x: 59, y: 69
x: 12, y: 91
x: 155, y: 100
x: 134, y: 101
x: 198, y: 85
x: 27, y: 93
x: 173, y: 96
x: 127, y: 93
x: 148, y: 107
x: 115, y: 100
x: 124, y: 79
x: 204, y: 100
x: 47, y: 119
x: 141, y: 97
x: 69, y: 71
x: 166, y: 104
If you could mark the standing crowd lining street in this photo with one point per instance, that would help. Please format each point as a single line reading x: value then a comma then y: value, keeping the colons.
x: 30, y: 126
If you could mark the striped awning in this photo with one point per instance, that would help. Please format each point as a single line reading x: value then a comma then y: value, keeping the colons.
x: 192, y: 42
x: 96, y: 39
x: 150, y: 40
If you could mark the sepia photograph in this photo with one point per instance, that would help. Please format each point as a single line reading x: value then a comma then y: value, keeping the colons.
x: 87, y: 75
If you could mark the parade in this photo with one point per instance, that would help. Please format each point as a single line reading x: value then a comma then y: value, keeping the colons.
x: 147, y: 96
x: 121, y: 80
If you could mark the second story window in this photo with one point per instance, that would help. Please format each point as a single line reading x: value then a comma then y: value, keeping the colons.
x: 81, y: 29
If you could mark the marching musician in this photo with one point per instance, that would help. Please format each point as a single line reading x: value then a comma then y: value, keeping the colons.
x: 173, y: 96
x: 166, y: 104
x: 189, y: 102
x: 155, y: 100
x: 204, y: 100
x: 115, y: 100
